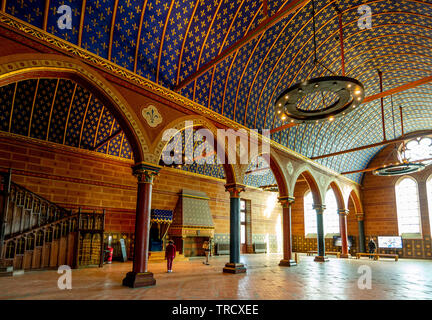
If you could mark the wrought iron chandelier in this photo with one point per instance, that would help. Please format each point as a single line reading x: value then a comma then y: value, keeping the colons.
x: 345, y: 93
x: 404, y: 166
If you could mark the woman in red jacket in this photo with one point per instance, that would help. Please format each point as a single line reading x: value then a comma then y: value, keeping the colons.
x: 170, y: 253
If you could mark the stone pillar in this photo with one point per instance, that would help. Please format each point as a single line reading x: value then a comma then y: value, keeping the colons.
x: 343, y: 231
x: 319, y: 208
x: 360, y: 221
x: 287, y: 260
x: 234, y: 266
x: 140, y: 276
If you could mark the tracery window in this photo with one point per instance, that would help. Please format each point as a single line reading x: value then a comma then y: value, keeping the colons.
x: 408, y: 208
x: 417, y: 149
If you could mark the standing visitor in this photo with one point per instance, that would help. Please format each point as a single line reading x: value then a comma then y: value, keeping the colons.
x: 170, y: 253
x: 372, y: 247
x: 206, y: 247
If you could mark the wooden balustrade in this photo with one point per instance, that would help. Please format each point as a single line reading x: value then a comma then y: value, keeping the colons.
x: 38, y: 234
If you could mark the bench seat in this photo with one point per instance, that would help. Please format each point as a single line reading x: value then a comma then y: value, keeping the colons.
x: 334, y: 253
x: 377, y: 255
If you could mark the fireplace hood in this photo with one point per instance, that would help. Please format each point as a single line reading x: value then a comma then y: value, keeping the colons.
x: 192, y: 216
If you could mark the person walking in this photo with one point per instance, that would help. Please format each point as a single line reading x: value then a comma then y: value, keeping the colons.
x: 372, y: 247
x: 170, y: 253
x: 206, y: 247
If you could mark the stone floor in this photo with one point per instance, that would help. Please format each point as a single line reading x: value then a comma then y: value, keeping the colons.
x: 336, y: 279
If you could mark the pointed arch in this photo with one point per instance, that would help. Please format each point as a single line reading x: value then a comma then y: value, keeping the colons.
x: 356, y: 201
x: 276, y: 168
x: 338, y: 194
x: 19, y: 67
x: 313, y: 185
x: 195, y: 122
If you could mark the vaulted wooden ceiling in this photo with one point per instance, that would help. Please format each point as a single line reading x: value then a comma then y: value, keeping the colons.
x: 217, y: 54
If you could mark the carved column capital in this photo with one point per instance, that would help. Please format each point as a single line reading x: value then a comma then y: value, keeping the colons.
x: 235, y: 189
x: 286, y: 201
x: 319, y: 208
x: 343, y: 212
x: 360, y: 216
x: 145, y: 173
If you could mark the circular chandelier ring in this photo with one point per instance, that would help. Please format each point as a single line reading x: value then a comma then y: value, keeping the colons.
x: 349, y: 91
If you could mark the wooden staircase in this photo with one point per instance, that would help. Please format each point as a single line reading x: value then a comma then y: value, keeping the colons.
x: 36, y: 234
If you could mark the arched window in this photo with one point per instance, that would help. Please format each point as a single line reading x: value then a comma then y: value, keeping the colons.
x: 331, y: 215
x: 310, y: 222
x: 408, y: 208
x: 429, y: 196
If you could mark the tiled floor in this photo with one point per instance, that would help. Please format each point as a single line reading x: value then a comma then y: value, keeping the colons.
x: 336, y: 279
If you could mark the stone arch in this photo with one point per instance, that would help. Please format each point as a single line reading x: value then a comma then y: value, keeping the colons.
x: 311, y: 180
x: 313, y: 186
x: 338, y: 194
x: 278, y: 173
x: 356, y: 201
x: 231, y: 174
x: 27, y: 66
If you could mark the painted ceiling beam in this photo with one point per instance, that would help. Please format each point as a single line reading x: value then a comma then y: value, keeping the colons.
x: 407, y: 86
x: 378, y: 144
x: 262, y: 27
x: 372, y: 169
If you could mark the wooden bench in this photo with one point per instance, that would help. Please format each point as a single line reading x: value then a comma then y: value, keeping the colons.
x: 377, y: 255
x: 334, y: 253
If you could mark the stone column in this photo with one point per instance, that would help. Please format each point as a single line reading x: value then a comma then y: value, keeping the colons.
x: 343, y: 231
x: 287, y: 260
x: 319, y: 208
x: 140, y: 276
x: 234, y: 266
x: 360, y: 221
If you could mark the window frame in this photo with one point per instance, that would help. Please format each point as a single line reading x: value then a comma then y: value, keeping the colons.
x: 409, y: 235
x: 314, y: 234
x: 327, y: 212
x: 429, y: 200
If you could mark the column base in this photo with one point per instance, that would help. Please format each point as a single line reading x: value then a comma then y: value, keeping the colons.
x: 344, y: 256
x: 234, y: 268
x: 321, y: 259
x: 137, y: 280
x: 287, y: 263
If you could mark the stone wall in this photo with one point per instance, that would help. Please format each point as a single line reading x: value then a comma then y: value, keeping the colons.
x: 74, y: 178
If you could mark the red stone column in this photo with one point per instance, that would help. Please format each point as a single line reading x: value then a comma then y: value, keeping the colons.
x: 140, y: 276
x: 287, y: 260
x: 343, y: 232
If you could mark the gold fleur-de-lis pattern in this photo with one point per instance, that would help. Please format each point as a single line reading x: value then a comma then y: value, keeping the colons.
x: 169, y: 41
x: 60, y: 111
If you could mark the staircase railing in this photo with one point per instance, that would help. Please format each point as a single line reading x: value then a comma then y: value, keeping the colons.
x: 24, y: 210
x: 38, y: 234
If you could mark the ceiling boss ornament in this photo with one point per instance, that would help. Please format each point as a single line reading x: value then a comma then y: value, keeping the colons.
x: 152, y: 116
